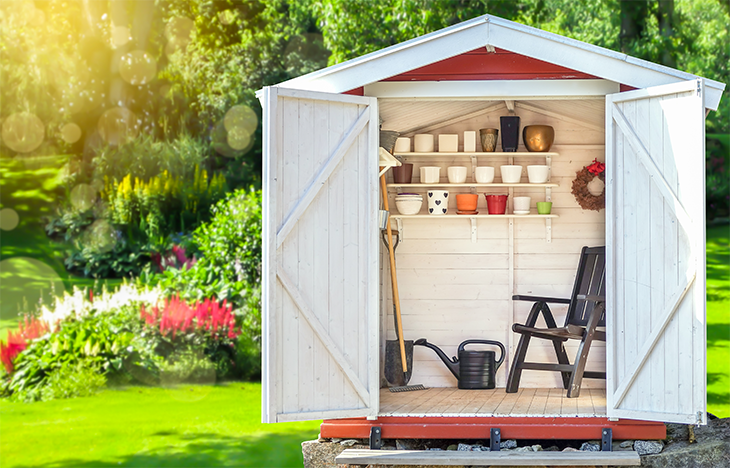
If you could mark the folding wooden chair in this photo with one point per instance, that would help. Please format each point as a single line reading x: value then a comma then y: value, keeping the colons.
x: 586, y: 312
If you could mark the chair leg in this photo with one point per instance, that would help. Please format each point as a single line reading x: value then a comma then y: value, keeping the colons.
x: 562, y: 359
x: 576, y: 377
x: 515, y: 372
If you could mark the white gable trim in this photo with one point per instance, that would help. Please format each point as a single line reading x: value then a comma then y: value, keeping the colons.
x: 514, y: 37
x: 492, y: 89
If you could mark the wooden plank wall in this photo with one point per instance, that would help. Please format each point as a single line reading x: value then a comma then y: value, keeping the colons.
x: 652, y: 230
x: 452, y: 289
x: 321, y: 250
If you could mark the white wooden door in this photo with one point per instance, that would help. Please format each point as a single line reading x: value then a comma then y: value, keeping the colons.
x: 655, y: 253
x: 320, y: 246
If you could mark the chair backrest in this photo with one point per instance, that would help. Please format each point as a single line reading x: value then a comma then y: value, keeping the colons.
x: 589, y: 280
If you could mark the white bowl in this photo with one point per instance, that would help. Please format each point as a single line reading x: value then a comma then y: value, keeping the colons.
x: 457, y: 174
x: 403, y: 145
x: 484, y: 174
x: 423, y: 143
x: 430, y: 174
x: 538, y: 174
x: 511, y: 174
x: 409, y: 205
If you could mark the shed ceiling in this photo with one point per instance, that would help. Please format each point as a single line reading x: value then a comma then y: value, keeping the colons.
x: 417, y: 115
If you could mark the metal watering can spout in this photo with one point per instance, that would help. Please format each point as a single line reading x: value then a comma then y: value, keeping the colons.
x: 452, y: 364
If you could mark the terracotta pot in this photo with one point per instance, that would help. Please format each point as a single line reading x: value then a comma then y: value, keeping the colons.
x: 467, y: 201
x: 538, y: 138
x: 403, y: 174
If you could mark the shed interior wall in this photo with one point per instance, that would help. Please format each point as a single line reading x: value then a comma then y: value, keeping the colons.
x: 452, y: 289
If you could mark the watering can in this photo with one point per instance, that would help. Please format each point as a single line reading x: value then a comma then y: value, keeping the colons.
x: 473, y: 369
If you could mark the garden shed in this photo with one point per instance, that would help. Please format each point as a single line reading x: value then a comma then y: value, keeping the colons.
x: 327, y: 301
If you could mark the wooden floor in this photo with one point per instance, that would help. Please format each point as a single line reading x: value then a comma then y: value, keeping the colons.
x: 526, y: 402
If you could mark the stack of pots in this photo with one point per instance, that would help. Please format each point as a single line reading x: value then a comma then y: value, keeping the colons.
x: 408, y: 203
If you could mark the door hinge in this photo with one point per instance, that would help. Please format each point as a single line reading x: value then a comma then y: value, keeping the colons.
x: 699, y: 418
x: 699, y: 88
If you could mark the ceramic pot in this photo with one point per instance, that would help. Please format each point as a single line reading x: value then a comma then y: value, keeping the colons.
x: 488, y: 138
x: 423, y: 143
x: 403, y: 145
x: 470, y: 141
x: 484, y: 174
x: 544, y: 207
x: 511, y: 174
x: 467, y: 201
x: 448, y: 143
x: 457, y: 174
x: 438, y: 201
x: 521, y: 204
x: 430, y: 174
x: 510, y: 127
x: 538, y: 137
x: 496, y: 204
x: 403, y: 174
x: 538, y: 174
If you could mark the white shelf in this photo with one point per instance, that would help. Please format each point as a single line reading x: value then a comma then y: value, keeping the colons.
x: 467, y: 185
x: 480, y: 154
x: 467, y: 216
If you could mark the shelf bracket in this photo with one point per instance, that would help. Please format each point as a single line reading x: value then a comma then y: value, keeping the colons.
x: 548, y: 230
x: 473, y: 229
x: 473, y: 166
x: 399, y: 223
x: 548, y: 194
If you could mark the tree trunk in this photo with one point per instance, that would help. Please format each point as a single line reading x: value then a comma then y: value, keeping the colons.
x: 633, y: 21
x: 665, y: 18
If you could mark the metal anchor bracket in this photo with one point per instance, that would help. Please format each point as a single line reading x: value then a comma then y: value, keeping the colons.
x: 473, y: 229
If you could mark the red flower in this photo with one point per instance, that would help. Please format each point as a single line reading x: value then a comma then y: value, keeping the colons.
x: 596, y: 168
x: 28, y: 330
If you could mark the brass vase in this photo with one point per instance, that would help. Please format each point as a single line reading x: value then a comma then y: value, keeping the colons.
x: 538, y: 138
x: 489, y: 139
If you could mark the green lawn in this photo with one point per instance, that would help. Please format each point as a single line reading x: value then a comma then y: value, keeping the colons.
x: 718, y: 321
x: 191, y: 426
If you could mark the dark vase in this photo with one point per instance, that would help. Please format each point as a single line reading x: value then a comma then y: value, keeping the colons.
x: 403, y: 174
x: 510, y: 130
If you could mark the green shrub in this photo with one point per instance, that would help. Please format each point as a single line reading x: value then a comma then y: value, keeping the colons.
x: 229, y: 268
x: 144, y: 158
x: 80, y: 380
x: 187, y: 365
x: 108, y: 342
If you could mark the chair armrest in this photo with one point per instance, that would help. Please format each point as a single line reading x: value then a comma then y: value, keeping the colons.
x: 586, y: 297
x: 552, y: 300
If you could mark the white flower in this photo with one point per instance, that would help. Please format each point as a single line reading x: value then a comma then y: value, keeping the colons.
x: 78, y: 304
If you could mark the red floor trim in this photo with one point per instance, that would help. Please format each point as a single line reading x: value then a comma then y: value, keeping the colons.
x: 478, y: 428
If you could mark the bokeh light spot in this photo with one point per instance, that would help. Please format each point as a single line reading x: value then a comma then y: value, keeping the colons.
x: 9, y: 219
x: 83, y: 197
x: 238, y: 138
x: 70, y: 133
x: 100, y: 237
x: 121, y: 35
x: 23, y: 132
x: 219, y: 140
x: 26, y: 283
x: 241, y: 117
x: 118, y: 125
x: 137, y: 67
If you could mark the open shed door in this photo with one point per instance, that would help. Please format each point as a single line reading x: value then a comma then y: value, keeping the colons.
x: 655, y: 253
x: 320, y: 260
